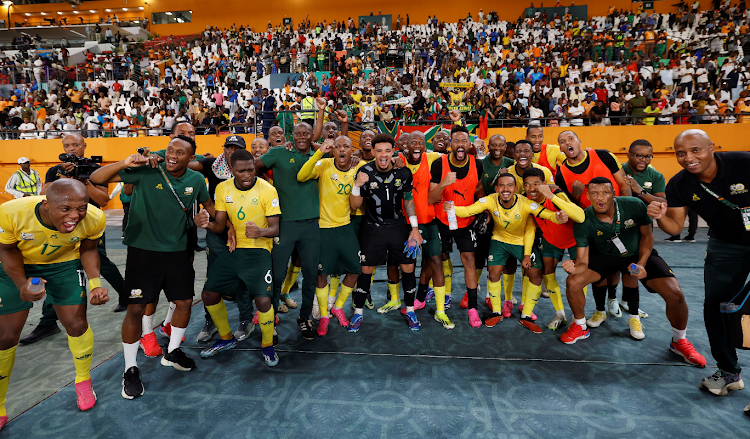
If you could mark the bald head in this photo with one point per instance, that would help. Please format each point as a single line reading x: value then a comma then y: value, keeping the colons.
x: 696, y: 134
x: 343, y: 141
x: 67, y: 189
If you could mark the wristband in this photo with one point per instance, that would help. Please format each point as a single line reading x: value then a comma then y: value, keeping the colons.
x: 95, y: 283
x: 355, y: 191
x: 413, y: 221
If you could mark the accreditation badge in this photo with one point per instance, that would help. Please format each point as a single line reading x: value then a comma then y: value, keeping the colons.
x: 745, y: 211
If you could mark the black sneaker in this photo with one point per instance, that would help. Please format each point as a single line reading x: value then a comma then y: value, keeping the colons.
x: 132, y: 387
x: 121, y: 308
x: 178, y: 360
x: 306, y: 326
x: 275, y: 337
x: 689, y: 239
x: 39, y: 333
x: 673, y: 239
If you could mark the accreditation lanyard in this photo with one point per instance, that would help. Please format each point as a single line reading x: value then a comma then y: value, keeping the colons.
x: 744, y: 211
x: 616, y: 240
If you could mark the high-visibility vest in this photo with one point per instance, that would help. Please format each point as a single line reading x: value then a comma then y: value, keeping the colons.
x: 308, y: 108
x: 23, y: 186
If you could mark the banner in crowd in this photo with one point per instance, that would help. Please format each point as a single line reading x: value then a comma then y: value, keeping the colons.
x: 461, y: 108
x: 402, y: 101
x: 457, y: 84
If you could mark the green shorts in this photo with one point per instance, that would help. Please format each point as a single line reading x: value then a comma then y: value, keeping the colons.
x: 339, y: 251
x: 432, y: 245
x: 357, y: 223
x: 550, y: 251
x: 66, y: 285
x: 248, y: 266
x: 500, y: 252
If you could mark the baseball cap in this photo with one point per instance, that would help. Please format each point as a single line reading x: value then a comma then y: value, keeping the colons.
x: 23, y: 160
x: 235, y: 140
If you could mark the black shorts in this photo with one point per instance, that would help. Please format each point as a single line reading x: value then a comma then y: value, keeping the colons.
x: 385, y: 243
x: 606, y: 265
x: 483, y: 248
x: 465, y: 238
x: 147, y: 273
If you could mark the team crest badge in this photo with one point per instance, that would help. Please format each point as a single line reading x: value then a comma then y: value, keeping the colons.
x: 159, y: 186
x: 738, y: 188
x: 136, y: 294
x: 188, y: 191
x: 335, y: 177
x: 518, y: 216
x: 398, y: 182
x: 647, y: 185
x: 27, y: 236
x: 254, y: 202
x: 599, y: 233
x: 374, y: 185
x: 629, y: 223
x: 696, y: 198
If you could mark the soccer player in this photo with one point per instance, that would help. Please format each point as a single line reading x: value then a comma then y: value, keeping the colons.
x: 616, y: 235
x: 385, y: 231
x: 251, y: 204
x: 716, y: 187
x: 555, y: 238
x: 419, y: 161
x: 455, y: 178
x: 547, y: 155
x: 513, y: 236
x: 329, y: 130
x: 523, y: 161
x: 156, y: 236
x: 298, y: 230
x: 75, y: 144
x: 54, y: 239
x: 335, y: 177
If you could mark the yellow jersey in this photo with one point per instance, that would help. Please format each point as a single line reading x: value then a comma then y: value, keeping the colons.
x: 519, y: 180
x: 431, y: 157
x: 514, y: 225
x: 334, y: 187
x: 361, y: 210
x: 40, y: 244
x: 255, y: 204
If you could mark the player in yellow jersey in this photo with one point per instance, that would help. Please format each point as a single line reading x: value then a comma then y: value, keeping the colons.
x: 340, y: 254
x: 47, y: 245
x: 251, y: 204
x: 512, y: 236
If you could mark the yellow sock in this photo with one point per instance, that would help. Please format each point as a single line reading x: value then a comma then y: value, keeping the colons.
x: 431, y: 285
x: 345, y: 293
x: 448, y: 273
x: 585, y: 290
x: 82, y: 348
x: 495, y: 289
x: 393, y: 292
x: 372, y: 278
x: 322, y: 295
x: 266, y: 327
x: 291, y: 277
x: 479, y: 277
x: 218, y: 314
x: 7, y: 358
x: 334, y: 284
x: 440, y: 298
x: 553, y: 288
x: 524, y: 289
x: 508, y: 281
x: 533, y: 294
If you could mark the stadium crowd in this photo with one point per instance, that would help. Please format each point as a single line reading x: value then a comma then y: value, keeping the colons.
x: 626, y: 68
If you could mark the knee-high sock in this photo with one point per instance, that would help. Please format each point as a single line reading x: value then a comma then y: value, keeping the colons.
x: 291, y: 277
x: 345, y: 293
x: 524, y: 289
x: 440, y: 299
x: 219, y: 315
x: 600, y: 297
x: 611, y: 291
x: 322, y: 295
x: 553, y: 288
x: 421, y: 292
x: 265, y: 319
x: 372, y: 277
x: 362, y: 290
x: 147, y: 325
x: 7, y: 358
x: 393, y: 292
x: 409, y: 281
x: 472, y: 293
x: 334, y: 283
x: 508, y: 281
x: 170, y: 313
x: 448, y: 273
x: 82, y: 348
x: 532, y: 296
x: 633, y: 298
x: 175, y: 338
x: 495, y: 290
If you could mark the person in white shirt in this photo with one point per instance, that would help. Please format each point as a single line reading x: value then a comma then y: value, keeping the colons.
x: 155, y: 125
x: 121, y: 124
x: 25, y: 182
x: 686, y: 78
x: 91, y: 121
x: 27, y: 129
x: 576, y: 111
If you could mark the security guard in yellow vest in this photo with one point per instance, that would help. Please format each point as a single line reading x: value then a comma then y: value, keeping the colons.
x: 308, y: 109
x: 25, y: 182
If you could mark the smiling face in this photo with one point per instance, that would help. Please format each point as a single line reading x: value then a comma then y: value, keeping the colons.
x: 258, y: 147
x: 179, y: 153
x: 440, y: 142
x: 601, y: 196
x: 302, y: 137
x: 497, y: 147
x: 276, y: 136
x: 695, y: 153
x: 459, y: 145
x: 415, y: 148
x: 506, y: 187
x: 523, y: 155
x: 184, y: 129
x: 383, y: 152
x: 536, y: 137
x: 531, y: 186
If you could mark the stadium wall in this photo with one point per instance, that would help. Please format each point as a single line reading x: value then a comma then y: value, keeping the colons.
x: 256, y: 15
x: 44, y: 153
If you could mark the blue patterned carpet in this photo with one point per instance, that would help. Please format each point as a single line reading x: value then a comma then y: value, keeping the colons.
x: 388, y: 382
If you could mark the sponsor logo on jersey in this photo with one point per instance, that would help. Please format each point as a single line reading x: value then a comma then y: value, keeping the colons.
x: 228, y: 199
x: 53, y: 236
x: 374, y: 185
x: 27, y: 236
x: 738, y: 188
x: 136, y: 294
x: 275, y: 202
x: 647, y: 185
x: 159, y: 186
x: 696, y: 198
x: 629, y: 223
x: 188, y: 191
x: 291, y: 160
x: 490, y: 258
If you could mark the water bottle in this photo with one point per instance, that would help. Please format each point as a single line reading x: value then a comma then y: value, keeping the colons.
x: 633, y: 270
x: 36, y: 286
x: 481, y: 154
x: 452, y: 220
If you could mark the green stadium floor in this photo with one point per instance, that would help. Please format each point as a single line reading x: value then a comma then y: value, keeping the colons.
x: 386, y: 381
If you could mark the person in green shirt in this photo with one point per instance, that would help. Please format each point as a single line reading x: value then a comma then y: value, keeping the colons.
x: 158, y: 254
x: 617, y: 235
x: 644, y: 180
x: 299, y: 220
